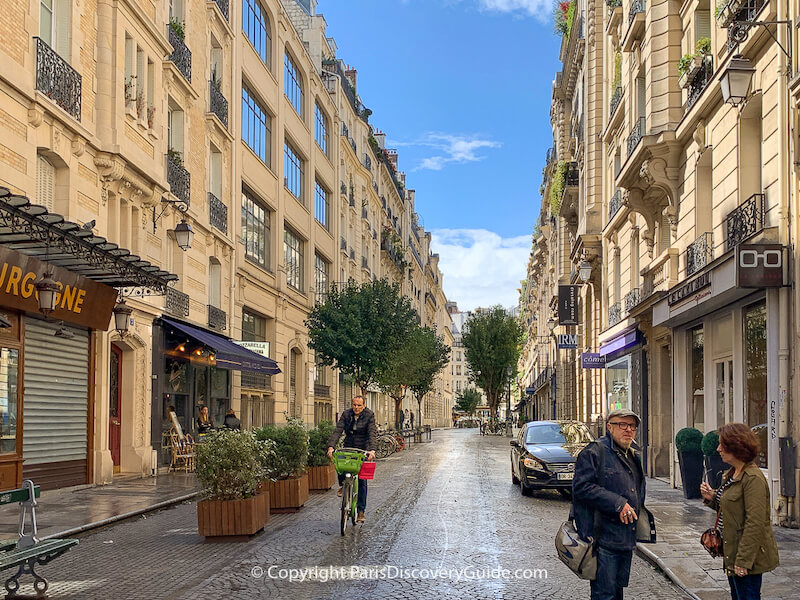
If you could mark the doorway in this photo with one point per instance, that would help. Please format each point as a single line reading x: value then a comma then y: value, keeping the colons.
x: 115, y: 406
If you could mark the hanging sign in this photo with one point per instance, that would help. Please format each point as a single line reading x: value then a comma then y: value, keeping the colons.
x: 759, y: 265
x: 568, y: 304
x: 567, y: 341
x: 593, y: 360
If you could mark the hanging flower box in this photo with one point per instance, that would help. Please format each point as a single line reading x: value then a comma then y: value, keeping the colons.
x: 696, y: 64
x: 726, y: 10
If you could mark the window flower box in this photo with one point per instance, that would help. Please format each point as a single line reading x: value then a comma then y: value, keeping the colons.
x: 726, y: 10
x: 694, y: 67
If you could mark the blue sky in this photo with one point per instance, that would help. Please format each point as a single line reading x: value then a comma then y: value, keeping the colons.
x: 462, y: 89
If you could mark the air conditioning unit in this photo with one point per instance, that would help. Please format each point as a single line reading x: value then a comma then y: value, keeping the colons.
x: 154, y: 463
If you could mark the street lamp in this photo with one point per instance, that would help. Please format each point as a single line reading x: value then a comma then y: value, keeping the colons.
x: 736, y: 80
x: 47, y: 290
x: 585, y: 271
x: 551, y: 324
x: 184, y: 235
x: 122, y: 313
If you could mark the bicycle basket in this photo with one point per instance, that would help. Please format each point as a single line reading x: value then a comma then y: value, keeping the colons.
x: 348, y: 462
x: 367, y: 470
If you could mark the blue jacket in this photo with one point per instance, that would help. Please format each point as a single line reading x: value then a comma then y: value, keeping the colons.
x: 607, y: 495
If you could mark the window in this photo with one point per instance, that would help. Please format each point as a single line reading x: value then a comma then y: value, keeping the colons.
x: 293, y: 251
x: 176, y: 10
x: 214, y: 282
x: 293, y: 171
x: 254, y: 327
x: 255, y: 24
x: 321, y: 204
x: 256, y: 127
x: 293, y: 84
x: 255, y: 230
x: 321, y: 131
x: 9, y: 394
x: 55, y: 25
x: 45, y: 183
x: 175, y: 130
x: 696, y: 381
x: 215, y: 172
x: 755, y: 375
x: 321, y: 269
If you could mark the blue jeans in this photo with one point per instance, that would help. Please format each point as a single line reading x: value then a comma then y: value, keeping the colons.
x: 746, y: 588
x: 361, y: 503
x: 613, y: 572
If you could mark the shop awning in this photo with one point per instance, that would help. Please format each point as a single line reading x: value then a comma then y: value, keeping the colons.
x: 627, y: 340
x: 229, y: 355
x: 30, y: 229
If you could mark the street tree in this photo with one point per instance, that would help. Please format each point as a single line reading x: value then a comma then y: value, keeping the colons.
x: 492, y: 340
x: 468, y: 400
x: 358, y: 326
x: 433, y: 356
x: 399, y: 370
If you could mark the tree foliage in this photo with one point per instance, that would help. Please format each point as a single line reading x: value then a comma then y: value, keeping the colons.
x: 468, y: 400
x: 434, y: 355
x: 492, y: 340
x: 359, y: 326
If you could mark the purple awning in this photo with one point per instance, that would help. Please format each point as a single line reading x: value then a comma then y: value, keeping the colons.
x: 622, y: 342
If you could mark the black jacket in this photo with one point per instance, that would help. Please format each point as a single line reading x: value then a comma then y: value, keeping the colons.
x: 359, y: 433
x: 231, y: 422
x: 607, y: 495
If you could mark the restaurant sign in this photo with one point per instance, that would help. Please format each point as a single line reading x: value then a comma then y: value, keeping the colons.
x: 81, y: 301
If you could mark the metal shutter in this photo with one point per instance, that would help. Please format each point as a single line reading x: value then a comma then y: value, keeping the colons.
x: 55, y: 412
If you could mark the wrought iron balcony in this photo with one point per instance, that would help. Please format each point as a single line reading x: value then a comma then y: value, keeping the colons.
x: 551, y: 156
x: 217, y: 319
x: 375, y: 186
x: 699, y: 253
x: 343, y: 244
x: 353, y: 146
x: 700, y: 82
x: 217, y: 213
x: 176, y: 303
x: 367, y: 161
x: 57, y: 80
x: 178, y: 178
x: 352, y: 254
x: 224, y: 8
x: 181, y: 57
x: 430, y: 298
x: 218, y: 103
x: 616, y: 97
x: 637, y: 7
x: 614, y: 314
x: 343, y: 189
x: 364, y: 263
x: 572, y: 176
x: 613, y: 3
x: 364, y: 212
x: 345, y: 131
x: 636, y: 135
x: 744, y: 221
x: 615, y: 204
x: 631, y: 299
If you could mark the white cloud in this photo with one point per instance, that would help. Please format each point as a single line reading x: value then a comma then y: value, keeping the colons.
x: 480, y: 268
x: 451, y: 149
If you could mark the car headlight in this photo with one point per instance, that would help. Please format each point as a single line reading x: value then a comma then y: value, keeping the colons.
x: 532, y: 463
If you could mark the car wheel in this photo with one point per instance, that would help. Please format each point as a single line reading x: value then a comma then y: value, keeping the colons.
x: 524, y: 489
x: 514, y: 478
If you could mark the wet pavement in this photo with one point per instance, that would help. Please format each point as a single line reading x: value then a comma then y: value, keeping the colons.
x: 443, y: 520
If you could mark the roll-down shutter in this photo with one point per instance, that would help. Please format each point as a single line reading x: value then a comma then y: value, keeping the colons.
x: 56, y: 403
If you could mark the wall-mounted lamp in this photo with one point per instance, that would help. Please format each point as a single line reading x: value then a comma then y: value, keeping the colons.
x: 736, y: 80
x: 585, y: 271
x: 551, y: 324
x: 46, y: 291
x: 183, y: 235
x: 122, y: 315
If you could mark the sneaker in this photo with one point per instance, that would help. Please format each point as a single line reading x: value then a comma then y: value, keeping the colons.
x: 339, y: 493
x: 360, y: 518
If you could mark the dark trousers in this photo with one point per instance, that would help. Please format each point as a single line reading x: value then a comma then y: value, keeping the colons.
x: 745, y: 588
x: 361, y: 503
x: 613, y: 572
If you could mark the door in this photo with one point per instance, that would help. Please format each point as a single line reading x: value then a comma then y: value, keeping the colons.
x: 115, y: 405
x: 723, y: 370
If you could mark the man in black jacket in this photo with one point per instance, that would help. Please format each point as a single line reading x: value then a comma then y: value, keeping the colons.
x: 608, y: 493
x: 358, y: 425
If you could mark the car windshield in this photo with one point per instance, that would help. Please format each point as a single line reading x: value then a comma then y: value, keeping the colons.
x: 553, y: 433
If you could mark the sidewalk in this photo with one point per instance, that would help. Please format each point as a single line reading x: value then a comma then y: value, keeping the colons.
x: 679, y: 524
x: 69, y: 511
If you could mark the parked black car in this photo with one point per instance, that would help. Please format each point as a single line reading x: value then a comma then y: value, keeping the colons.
x: 543, y: 455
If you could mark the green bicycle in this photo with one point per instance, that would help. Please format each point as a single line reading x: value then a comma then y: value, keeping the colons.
x: 348, y: 461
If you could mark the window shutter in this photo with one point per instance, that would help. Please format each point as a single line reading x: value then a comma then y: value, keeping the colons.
x: 702, y: 25
x: 45, y: 183
x: 63, y: 28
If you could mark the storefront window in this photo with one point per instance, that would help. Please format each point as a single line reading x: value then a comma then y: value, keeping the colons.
x: 755, y: 375
x: 696, y: 383
x: 8, y: 399
x: 618, y: 384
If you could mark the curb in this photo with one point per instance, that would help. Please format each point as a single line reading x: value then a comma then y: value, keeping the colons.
x: 121, y: 517
x: 654, y: 560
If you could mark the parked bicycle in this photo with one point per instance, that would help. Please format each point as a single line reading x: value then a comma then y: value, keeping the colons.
x: 349, y: 461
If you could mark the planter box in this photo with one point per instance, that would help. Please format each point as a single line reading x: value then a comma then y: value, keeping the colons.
x: 288, y: 495
x: 726, y: 15
x: 715, y: 468
x: 232, y: 517
x: 691, y: 466
x: 321, y: 478
x: 693, y: 70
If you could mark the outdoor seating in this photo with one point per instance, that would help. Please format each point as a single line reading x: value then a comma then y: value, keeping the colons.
x: 182, y: 451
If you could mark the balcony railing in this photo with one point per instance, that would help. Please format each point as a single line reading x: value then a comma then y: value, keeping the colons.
x: 636, y: 135
x: 352, y: 254
x: 343, y: 189
x: 322, y: 391
x: 700, y: 82
x: 744, y: 221
x: 416, y: 255
x: 614, y: 314
x: 364, y: 263
x: 572, y: 176
x: 631, y: 299
x: 661, y: 274
x: 256, y: 381
x: 218, y: 103
x: 367, y: 161
x: 176, y: 303
x: 217, y: 319
x: 345, y: 131
x: 551, y: 155
x: 616, y: 98
x: 615, y: 204
x: 224, y: 8
x: 430, y: 298
x: 181, y: 57
x: 364, y: 212
x: 217, y: 213
x: 699, y: 253
x: 637, y: 7
x: 178, y: 179
x: 353, y: 145
x: 343, y: 244
x: 57, y: 80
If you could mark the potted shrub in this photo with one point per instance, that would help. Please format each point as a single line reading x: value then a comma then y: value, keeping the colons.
x: 726, y: 10
x: 229, y: 469
x: 690, y: 64
x: 715, y: 467
x: 286, y: 477
x: 321, y: 473
x: 690, y: 459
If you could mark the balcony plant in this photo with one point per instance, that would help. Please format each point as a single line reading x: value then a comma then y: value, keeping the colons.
x: 557, y: 186
x: 286, y: 477
x: 229, y: 468
x: 688, y: 443
x: 140, y: 104
x: 563, y: 15
x: 177, y: 27
x: 175, y: 156
x: 726, y: 10
x: 690, y: 64
x: 715, y: 467
x: 321, y: 474
x: 130, y: 89
x: 151, y: 115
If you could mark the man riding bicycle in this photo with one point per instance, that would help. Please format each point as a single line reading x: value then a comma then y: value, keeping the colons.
x: 358, y: 425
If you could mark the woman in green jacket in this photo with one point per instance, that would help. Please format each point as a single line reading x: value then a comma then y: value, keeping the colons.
x: 749, y: 547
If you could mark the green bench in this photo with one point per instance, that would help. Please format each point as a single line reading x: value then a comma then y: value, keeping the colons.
x: 28, y: 551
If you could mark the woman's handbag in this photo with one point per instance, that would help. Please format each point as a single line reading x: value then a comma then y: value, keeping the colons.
x: 712, y: 539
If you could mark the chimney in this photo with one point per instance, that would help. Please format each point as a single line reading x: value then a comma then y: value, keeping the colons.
x: 393, y: 157
x: 380, y: 137
x: 351, y: 75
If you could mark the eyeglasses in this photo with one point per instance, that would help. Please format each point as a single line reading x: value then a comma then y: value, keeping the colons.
x: 625, y: 426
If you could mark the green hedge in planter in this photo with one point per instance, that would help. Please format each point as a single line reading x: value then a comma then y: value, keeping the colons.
x: 291, y: 448
x: 318, y: 444
x: 710, y: 443
x: 689, y: 439
x: 229, y: 464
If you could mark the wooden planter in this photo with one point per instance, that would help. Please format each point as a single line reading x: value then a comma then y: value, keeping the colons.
x: 232, y: 517
x: 288, y: 495
x: 321, y: 478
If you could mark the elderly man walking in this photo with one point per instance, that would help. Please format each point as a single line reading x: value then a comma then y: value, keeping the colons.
x: 608, y: 503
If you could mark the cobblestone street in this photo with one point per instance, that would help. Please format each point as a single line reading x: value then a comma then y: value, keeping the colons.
x: 446, y: 505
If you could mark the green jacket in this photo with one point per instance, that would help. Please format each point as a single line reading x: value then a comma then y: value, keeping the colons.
x: 748, y: 540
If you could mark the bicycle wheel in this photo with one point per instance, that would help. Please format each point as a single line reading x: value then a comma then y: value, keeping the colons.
x: 401, y: 443
x: 347, y: 495
x: 383, y: 447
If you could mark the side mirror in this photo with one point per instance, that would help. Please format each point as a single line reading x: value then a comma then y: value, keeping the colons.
x: 514, y: 443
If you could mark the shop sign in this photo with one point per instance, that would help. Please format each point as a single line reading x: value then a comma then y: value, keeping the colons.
x: 683, y: 291
x: 80, y: 301
x: 759, y: 265
x: 530, y: 391
x: 593, y: 360
x: 567, y: 341
x: 261, y: 348
x: 568, y: 304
